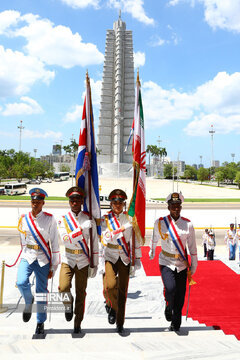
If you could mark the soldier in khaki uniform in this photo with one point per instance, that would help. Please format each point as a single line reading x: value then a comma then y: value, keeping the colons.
x: 175, y: 233
x: 115, y: 257
x: 75, y: 234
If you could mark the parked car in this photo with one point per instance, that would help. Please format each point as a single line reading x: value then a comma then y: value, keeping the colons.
x: 46, y: 180
x: 2, y: 191
x: 34, y: 181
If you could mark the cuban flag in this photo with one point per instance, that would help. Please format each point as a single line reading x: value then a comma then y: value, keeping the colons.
x: 86, y: 166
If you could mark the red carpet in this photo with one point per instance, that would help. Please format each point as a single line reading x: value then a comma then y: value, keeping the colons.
x: 215, y: 299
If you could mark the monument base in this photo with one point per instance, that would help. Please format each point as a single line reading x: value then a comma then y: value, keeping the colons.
x: 115, y: 170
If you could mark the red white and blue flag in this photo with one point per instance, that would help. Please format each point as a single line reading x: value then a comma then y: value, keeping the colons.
x: 87, y: 160
x: 115, y: 225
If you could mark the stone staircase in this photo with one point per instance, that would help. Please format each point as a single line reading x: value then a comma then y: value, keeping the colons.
x: 146, y: 334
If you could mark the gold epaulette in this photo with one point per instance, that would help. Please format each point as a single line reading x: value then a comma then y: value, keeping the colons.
x: 19, y: 227
x: 163, y: 236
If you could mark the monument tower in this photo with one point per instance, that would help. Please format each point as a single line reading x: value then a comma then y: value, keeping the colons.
x: 117, y: 101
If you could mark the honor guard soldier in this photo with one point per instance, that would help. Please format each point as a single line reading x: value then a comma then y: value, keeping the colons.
x: 115, y: 257
x: 74, y: 228
x: 40, y: 254
x: 230, y: 240
x: 175, y: 233
x: 204, y: 242
x: 211, y: 243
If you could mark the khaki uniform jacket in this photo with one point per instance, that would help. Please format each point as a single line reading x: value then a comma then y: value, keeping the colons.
x: 71, y: 239
x: 47, y: 226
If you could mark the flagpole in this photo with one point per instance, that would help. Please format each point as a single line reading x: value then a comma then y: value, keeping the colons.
x: 89, y: 176
x: 134, y: 180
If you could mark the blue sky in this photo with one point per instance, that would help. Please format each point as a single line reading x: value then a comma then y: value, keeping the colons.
x: 187, y: 51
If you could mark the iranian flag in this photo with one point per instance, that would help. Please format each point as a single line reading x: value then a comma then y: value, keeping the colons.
x: 138, y: 202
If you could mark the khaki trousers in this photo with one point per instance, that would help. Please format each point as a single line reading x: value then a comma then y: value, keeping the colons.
x: 116, y: 286
x: 65, y: 284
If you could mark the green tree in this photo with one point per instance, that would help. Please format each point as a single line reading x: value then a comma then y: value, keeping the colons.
x: 168, y: 171
x: 219, y: 176
x: 190, y: 172
x: 202, y: 174
x: 64, y: 167
x: 237, y: 179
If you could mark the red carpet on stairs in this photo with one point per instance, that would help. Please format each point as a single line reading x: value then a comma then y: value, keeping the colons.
x: 215, y: 299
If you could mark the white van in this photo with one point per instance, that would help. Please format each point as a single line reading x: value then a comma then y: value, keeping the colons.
x: 15, y: 189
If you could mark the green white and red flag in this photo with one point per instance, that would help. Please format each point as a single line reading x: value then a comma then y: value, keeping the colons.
x: 138, y: 201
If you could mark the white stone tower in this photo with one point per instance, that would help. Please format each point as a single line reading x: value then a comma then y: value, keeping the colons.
x: 117, y: 100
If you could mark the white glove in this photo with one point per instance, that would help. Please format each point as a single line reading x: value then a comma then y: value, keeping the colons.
x: 87, y: 224
x: 151, y: 254
x: 193, y: 264
x: 132, y: 271
x: 137, y: 264
x: 101, y: 269
x: 92, y: 271
x: 54, y: 269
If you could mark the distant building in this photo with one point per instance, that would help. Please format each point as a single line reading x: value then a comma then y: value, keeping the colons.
x: 195, y: 166
x: 180, y: 165
x: 200, y: 166
x: 216, y: 163
x: 57, y: 150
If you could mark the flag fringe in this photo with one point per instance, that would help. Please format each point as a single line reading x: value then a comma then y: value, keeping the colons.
x: 137, y: 231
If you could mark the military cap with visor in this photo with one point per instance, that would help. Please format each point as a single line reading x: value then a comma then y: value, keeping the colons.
x: 175, y: 198
x: 38, y: 194
x: 75, y: 192
x: 117, y: 195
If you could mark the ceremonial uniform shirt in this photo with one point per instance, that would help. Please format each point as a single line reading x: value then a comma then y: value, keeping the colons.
x: 237, y: 236
x: 47, y: 226
x: 71, y: 240
x: 230, y: 237
x: 210, y: 243
x: 186, y: 233
x: 204, y: 238
x: 112, y: 254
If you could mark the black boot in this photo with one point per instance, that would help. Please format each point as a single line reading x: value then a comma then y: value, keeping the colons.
x: 120, y: 329
x: 112, y: 316
x: 168, y: 313
x: 77, y: 325
x: 27, y: 312
x: 39, y: 329
x: 69, y: 314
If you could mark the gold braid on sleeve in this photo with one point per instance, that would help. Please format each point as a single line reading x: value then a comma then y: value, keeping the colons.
x: 19, y: 227
x: 163, y: 236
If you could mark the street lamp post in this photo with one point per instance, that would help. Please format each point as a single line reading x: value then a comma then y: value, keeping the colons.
x: 20, y: 135
x: 212, y: 132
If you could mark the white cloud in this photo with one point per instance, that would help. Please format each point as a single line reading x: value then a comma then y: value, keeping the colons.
x: 73, y: 115
x: 7, y: 19
x: 48, y: 134
x: 133, y: 7
x: 139, y: 59
x: 215, y: 102
x: 158, y: 41
x: 76, y: 112
x: 80, y: 4
x: 28, y: 106
x: 19, y: 72
x: 57, y: 45
x: 223, y: 14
